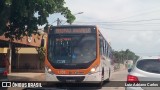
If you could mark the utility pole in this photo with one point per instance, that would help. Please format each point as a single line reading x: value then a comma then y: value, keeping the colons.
x: 58, y: 22
x: 9, y: 52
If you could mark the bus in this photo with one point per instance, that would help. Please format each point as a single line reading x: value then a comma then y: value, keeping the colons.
x: 77, y: 53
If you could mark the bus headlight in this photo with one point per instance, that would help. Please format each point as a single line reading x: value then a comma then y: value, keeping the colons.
x: 49, y: 70
x: 93, y: 70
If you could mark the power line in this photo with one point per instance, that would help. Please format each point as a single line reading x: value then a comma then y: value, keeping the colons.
x: 54, y: 21
x: 125, y: 24
x: 127, y: 29
x: 142, y: 20
x: 142, y: 24
x: 157, y: 19
x: 139, y: 14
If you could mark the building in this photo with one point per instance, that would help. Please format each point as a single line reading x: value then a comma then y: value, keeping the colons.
x: 24, y: 55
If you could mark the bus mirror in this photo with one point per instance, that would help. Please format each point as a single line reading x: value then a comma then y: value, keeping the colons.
x: 42, y: 43
x: 100, y: 37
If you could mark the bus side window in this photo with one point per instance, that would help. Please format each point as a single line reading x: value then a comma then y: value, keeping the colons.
x: 108, y: 51
x: 106, y: 48
x: 101, y: 47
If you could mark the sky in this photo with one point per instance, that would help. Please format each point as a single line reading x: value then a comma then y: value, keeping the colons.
x: 126, y: 24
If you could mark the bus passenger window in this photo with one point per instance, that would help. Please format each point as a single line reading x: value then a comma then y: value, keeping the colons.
x: 102, y: 49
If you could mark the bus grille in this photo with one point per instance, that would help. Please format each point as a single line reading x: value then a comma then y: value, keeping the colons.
x: 70, y: 79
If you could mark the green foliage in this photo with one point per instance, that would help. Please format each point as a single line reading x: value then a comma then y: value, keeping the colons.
x: 41, y: 55
x: 18, y: 16
x: 121, y: 56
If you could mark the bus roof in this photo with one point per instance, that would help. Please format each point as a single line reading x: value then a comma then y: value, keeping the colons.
x: 75, y: 26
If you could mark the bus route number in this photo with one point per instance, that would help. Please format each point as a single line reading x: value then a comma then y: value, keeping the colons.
x: 60, y: 61
x: 61, y: 72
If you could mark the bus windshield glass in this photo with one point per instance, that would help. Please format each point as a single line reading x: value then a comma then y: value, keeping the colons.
x: 71, y: 50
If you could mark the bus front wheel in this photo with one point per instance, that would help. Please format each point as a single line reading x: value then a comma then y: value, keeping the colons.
x: 102, y: 79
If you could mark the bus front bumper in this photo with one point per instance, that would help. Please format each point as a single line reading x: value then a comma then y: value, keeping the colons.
x: 89, y: 78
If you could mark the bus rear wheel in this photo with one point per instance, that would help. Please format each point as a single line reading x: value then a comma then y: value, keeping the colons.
x: 109, y: 75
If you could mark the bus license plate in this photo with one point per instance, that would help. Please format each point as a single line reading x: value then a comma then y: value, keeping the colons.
x: 70, y: 80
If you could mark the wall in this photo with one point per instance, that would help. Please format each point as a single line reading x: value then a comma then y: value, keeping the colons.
x: 3, y: 50
x: 27, y: 60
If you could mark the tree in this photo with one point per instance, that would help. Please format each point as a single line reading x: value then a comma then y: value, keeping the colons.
x: 121, y: 56
x: 18, y: 19
x: 41, y: 55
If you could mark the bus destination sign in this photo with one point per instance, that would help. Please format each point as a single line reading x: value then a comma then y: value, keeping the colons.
x: 72, y: 31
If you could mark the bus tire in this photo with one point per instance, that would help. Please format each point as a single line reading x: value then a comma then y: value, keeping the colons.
x: 109, y: 76
x: 102, y: 79
x: 100, y: 85
x: 107, y: 80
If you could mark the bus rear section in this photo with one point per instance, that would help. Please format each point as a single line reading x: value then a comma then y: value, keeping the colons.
x: 73, y: 55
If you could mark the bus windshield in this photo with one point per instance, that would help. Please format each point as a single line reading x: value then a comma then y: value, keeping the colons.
x: 71, y: 50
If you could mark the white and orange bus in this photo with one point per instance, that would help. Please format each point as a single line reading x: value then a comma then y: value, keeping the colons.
x: 77, y: 54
